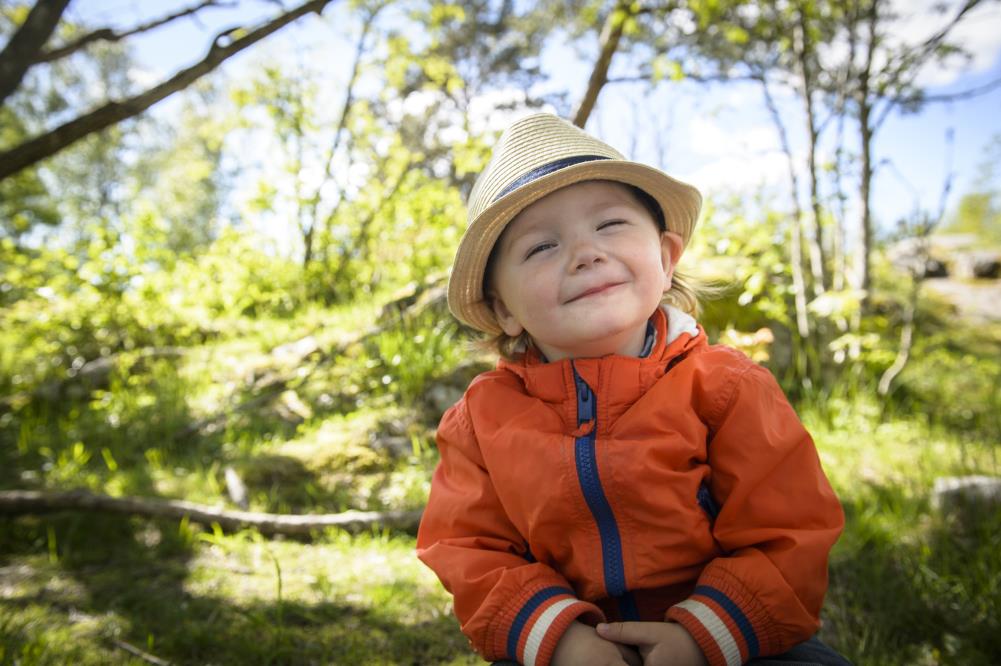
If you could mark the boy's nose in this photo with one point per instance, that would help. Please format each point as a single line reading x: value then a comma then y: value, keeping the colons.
x: 585, y: 255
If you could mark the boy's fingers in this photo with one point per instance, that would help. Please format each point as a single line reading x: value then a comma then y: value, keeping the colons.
x: 630, y: 655
x: 631, y: 633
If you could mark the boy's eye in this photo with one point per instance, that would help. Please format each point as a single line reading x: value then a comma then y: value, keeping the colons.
x: 541, y: 247
x: 610, y: 223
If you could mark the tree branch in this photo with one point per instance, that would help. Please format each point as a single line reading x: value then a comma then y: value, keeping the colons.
x: 688, y: 76
x: 109, y: 35
x: 50, y: 143
x: 611, y: 33
x: 912, y: 60
x: 136, y: 652
x: 924, y: 229
x: 27, y: 42
x: 21, y: 502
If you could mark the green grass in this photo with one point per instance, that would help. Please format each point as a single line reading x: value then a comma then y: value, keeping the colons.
x: 233, y: 599
x: 909, y: 585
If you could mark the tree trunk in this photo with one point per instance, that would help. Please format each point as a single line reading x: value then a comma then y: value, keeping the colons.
x: 21, y: 502
x: 865, y: 223
x: 796, y: 249
x: 864, y: 102
x: 818, y: 261
x: 23, y: 48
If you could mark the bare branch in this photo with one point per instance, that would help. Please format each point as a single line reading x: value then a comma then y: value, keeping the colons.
x: 27, y: 42
x: 925, y: 226
x: 109, y: 35
x: 48, y: 144
x: 931, y: 99
x: 687, y: 76
x: 910, y: 62
x: 964, y: 94
x: 925, y: 48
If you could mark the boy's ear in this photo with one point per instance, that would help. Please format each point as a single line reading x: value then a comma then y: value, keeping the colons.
x: 671, y: 248
x: 508, y: 323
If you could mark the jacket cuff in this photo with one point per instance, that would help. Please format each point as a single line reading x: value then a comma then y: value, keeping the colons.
x: 528, y: 631
x: 727, y: 623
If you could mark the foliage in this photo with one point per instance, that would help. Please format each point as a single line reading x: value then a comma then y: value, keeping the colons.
x: 979, y: 211
x: 410, y: 356
x: 103, y: 300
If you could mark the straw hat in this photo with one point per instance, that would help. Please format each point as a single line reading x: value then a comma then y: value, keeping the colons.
x: 535, y: 156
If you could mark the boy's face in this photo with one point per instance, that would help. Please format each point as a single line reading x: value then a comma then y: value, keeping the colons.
x: 581, y: 270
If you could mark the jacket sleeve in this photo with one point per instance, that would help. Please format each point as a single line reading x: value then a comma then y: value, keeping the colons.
x: 509, y: 606
x: 778, y: 522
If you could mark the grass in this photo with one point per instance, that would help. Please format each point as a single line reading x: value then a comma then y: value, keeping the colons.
x: 233, y: 599
x: 909, y: 584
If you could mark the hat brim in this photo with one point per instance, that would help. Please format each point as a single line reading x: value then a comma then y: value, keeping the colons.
x: 679, y: 201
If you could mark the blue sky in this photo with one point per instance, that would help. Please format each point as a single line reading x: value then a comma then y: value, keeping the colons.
x: 718, y: 138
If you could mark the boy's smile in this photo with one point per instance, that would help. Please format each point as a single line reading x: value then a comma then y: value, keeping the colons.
x: 581, y: 270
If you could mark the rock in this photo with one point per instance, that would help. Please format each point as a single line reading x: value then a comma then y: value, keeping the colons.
x: 987, y: 268
x: 914, y: 256
x: 395, y: 446
x: 956, y: 493
x: 443, y: 396
x: 446, y: 390
x: 981, y: 265
x: 935, y: 269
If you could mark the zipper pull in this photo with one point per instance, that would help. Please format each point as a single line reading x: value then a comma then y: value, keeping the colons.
x: 585, y: 401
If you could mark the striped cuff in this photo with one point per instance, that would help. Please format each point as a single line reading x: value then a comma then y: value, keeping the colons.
x: 725, y: 634
x: 537, y: 627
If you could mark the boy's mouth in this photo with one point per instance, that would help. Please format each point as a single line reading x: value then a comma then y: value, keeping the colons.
x: 594, y: 290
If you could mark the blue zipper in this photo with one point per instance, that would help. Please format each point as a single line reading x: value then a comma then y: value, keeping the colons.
x: 594, y: 495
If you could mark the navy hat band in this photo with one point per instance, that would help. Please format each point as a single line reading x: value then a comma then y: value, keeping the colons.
x: 546, y: 169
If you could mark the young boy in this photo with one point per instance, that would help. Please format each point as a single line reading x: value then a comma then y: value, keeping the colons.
x: 614, y: 467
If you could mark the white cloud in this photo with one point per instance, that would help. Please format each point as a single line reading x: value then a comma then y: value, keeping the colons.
x: 495, y: 110
x: 712, y: 138
x: 733, y: 155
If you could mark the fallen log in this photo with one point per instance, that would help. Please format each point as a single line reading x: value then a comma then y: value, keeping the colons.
x: 24, y: 502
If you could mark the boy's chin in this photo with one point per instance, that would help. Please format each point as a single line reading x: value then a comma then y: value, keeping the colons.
x: 625, y: 342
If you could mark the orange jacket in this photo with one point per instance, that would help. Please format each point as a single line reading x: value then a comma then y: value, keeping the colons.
x: 678, y: 486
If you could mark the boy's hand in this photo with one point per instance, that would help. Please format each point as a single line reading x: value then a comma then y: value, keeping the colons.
x: 580, y: 644
x: 660, y: 643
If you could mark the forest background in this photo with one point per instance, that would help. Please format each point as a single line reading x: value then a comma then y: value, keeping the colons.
x: 221, y: 283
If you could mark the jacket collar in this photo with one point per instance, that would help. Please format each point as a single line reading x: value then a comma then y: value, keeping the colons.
x: 615, y: 379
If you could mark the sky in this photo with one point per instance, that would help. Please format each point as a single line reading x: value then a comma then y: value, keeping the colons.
x: 718, y: 137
